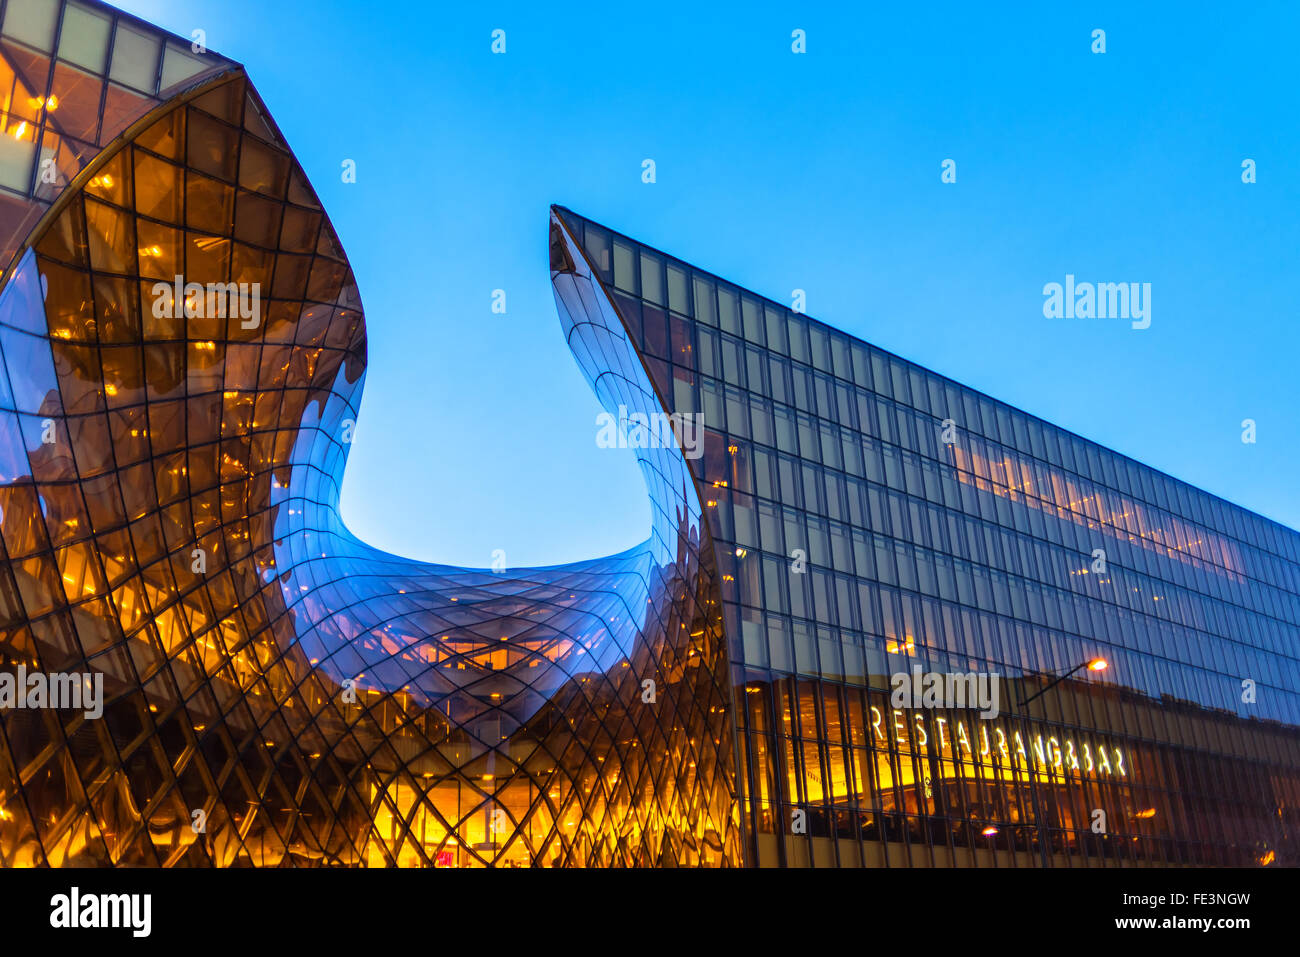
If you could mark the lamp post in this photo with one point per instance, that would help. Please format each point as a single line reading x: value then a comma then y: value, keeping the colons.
x: 1092, y: 664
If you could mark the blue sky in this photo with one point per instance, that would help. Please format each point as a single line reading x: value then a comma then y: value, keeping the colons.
x: 780, y: 171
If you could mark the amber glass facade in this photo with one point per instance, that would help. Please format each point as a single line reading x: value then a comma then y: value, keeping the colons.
x: 73, y: 76
x: 871, y: 517
x: 275, y: 691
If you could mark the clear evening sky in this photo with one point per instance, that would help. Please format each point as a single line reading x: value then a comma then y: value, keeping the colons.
x: 779, y: 171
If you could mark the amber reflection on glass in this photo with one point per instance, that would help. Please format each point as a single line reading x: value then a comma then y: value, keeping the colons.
x: 74, y: 75
x: 168, y: 515
x: 278, y: 693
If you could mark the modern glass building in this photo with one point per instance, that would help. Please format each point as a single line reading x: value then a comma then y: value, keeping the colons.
x: 870, y: 517
x: 183, y: 352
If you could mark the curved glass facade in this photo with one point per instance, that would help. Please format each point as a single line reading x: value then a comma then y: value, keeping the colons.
x: 182, y: 354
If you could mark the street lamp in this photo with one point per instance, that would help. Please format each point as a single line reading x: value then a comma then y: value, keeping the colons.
x: 1092, y: 664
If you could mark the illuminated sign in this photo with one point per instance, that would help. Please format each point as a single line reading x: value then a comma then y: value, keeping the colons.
x: 998, y: 746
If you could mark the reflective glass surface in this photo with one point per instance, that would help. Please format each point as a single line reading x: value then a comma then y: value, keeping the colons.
x: 871, y: 517
x: 73, y: 76
x: 182, y: 355
x: 275, y: 691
